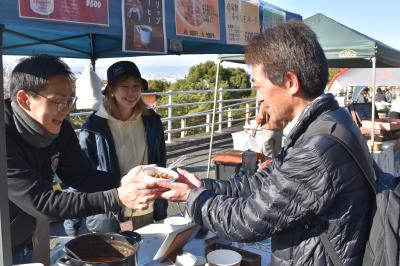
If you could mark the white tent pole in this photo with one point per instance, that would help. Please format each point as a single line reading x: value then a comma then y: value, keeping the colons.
x: 213, y: 118
x: 5, y: 238
x: 373, y: 103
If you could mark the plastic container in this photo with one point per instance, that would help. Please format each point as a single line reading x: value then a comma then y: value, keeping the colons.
x: 224, y: 257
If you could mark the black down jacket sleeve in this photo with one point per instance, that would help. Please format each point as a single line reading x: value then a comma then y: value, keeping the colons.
x: 34, y: 195
x: 255, y: 207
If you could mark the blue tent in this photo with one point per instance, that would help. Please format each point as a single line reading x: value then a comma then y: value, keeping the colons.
x: 27, y: 36
x: 21, y: 36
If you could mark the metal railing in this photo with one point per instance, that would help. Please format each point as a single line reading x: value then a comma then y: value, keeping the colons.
x: 236, y: 110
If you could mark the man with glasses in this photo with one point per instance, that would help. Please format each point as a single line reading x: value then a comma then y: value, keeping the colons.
x: 42, y: 143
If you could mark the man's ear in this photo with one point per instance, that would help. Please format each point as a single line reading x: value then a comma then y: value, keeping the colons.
x: 293, y: 83
x: 23, y: 100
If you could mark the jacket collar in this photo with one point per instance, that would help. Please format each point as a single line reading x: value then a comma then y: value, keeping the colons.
x: 102, y: 112
x: 322, y: 104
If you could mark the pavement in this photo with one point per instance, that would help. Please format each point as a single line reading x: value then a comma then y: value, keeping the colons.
x: 196, y: 149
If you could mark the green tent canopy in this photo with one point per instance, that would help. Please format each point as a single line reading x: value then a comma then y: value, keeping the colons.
x: 346, y: 47
x: 343, y: 46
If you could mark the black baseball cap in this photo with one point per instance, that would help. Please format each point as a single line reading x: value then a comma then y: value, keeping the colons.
x: 120, y: 69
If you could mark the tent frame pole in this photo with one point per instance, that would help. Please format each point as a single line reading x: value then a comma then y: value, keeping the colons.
x: 43, y: 41
x: 213, y: 119
x: 93, y: 55
x: 373, y: 59
x: 5, y: 236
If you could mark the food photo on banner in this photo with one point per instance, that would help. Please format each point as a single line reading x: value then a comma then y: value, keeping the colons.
x: 241, y: 20
x: 197, y: 18
x: 76, y: 11
x: 143, y: 25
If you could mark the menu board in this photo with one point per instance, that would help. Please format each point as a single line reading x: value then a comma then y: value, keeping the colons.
x: 77, y: 11
x: 143, y: 26
x: 241, y: 20
x: 271, y: 17
x: 197, y: 18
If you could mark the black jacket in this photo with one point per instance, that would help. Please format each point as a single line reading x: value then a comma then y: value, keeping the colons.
x: 313, y: 185
x: 30, y: 173
x: 97, y: 142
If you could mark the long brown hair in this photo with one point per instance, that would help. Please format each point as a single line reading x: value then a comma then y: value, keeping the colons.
x: 110, y: 104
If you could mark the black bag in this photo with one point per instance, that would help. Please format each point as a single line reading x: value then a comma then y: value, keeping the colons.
x: 383, y: 246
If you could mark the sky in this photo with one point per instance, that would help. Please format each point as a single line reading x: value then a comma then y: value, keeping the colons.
x: 377, y: 19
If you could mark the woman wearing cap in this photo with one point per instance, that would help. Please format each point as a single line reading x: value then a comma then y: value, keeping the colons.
x: 122, y: 134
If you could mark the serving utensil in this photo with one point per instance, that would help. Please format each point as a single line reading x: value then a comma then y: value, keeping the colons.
x: 179, y: 160
x: 255, y: 131
x: 73, y: 254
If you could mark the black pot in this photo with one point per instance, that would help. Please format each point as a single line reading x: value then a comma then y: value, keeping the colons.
x: 102, y: 249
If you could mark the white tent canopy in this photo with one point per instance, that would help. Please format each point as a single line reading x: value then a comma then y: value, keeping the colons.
x: 361, y: 77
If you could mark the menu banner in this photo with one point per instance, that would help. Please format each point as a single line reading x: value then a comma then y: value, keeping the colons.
x: 241, y: 20
x: 76, y: 11
x: 271, y: 17
x: 197, y: 18
x: 143, y: 26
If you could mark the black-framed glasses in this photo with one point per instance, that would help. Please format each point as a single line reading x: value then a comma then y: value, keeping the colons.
x: 61, y: 106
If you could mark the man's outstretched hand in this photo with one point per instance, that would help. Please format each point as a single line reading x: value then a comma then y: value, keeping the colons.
x: 179, y: 191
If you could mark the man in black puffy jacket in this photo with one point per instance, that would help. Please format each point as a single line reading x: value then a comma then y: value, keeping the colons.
x: 313, y: 186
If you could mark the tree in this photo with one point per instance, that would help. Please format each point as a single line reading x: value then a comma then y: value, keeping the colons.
x: 333, y: 72
x: 202, y: 77
x: 158, y: 85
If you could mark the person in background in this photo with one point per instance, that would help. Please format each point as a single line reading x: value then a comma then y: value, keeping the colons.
x: 363, y: 97
x: 395, y: 108
x: 313, y: 188
x: 122, y: 134
x: 393, y: 92
x: 380, y: 96
x: 388, y: 95
x: 41, y: 143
